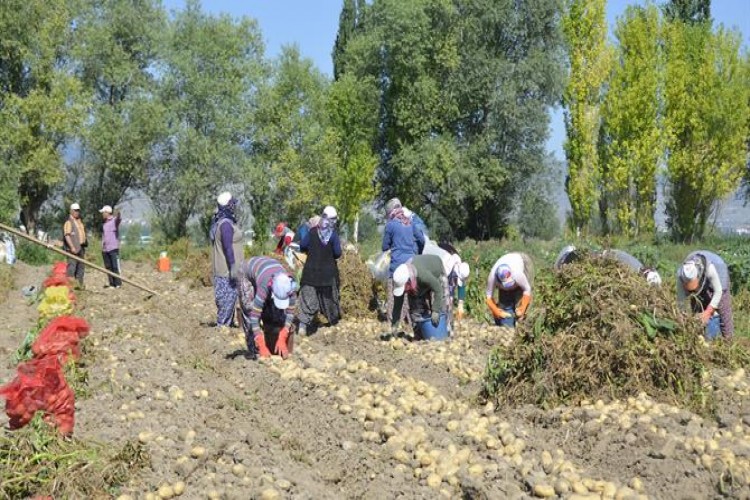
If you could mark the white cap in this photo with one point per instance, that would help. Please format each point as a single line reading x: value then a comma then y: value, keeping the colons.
x: 106, y: 209
x: 463, y: 271
x: 330, y: 212
x: 653, y: 278
x: 688, y: 271
x: 281, y: 289
x: 400, y: 277
x: 75, y: 206
x: 224, y: 198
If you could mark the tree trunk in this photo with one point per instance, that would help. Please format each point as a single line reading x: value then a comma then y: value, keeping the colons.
x: 355, y: 233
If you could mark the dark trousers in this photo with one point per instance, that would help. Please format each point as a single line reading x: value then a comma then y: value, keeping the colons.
x: 75, y: 268
x: 112, y: 263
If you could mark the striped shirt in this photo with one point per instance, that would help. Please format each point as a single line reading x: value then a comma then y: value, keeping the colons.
x: 259, y: 272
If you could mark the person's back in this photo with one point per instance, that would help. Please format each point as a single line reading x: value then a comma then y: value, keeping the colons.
x: 399, y: 239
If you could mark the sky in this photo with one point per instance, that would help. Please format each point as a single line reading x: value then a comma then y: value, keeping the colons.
x: 312, y: 25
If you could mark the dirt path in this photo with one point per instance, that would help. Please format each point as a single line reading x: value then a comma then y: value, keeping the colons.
x: 351, y: 416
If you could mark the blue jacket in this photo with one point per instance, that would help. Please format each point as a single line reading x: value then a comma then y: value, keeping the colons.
x: 403, y: 241
x: 419, y: 223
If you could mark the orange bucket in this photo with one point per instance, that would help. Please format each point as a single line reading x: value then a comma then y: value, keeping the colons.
x: 163, y: 265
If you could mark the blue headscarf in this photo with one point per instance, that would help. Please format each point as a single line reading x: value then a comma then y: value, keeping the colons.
x: 222, y: 212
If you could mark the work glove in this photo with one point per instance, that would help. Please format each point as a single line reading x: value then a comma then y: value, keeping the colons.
x: 497, y: 313
x: 435, y: 318
x: 260, y: 344
x: 281, y: 343
x: 706, y: 315
x: 521, y: 309
x: 460, y: 310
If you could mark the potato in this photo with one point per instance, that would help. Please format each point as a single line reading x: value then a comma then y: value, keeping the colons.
x: 165, y: 491
x: 178, y: 488
x: 270, y: 494
x: 197, y: 452
x: 284, y: 484
x: 476, y: 470
x: 145, y: 436
x: 579, y: 487
x: 238, y: 470
x: 562, y: 487
x: 124, y: 497
x: 543, y: 491
x: 151, y: 496
x: 434, y: 481
x: 214, y: 495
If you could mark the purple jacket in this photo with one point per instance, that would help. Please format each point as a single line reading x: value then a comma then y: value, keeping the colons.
x: 110, y: 234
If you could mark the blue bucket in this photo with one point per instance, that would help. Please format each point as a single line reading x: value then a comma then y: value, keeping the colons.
x: 427, y: 331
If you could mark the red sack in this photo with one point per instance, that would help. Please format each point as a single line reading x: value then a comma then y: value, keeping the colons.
x: 40, y: 385
x: 61, y: 337
x: 57, y: 280
x: 60, y: 269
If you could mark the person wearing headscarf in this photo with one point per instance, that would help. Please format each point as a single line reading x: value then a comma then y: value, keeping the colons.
x: 703, y: 281
x: 285, y: 236
x: 422, y: 279
x: 456, y: 271
x: 403, y: 240
x: 651, y: 276
x: 319, y: 292
x: 226, y: 255
x: 567, y: 255
x: 512, y: 276
x: 267, y: 294
x: 417, y: 222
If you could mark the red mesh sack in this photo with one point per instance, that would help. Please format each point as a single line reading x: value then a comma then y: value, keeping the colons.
x: 40, y: 385
x: 57, y: 280
x: 60, y: 269
x: 61, y: 337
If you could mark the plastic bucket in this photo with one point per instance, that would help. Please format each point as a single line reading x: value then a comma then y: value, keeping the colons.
x: 427, y: 331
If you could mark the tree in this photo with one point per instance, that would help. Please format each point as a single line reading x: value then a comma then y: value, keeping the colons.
x: 350, y: 21
x: 40, y: 100
x: 706, y: 115
x: 352, y: 105
x: 688, y: 11
x: 117, y: 48
x: 294, y: 154
x: 590, y: 57
x: 213, y: 67
x: 632, y: 144
x: 463, y: 114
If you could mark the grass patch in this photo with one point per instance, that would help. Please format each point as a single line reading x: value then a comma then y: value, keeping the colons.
x: 197, y: 363
x: 597, y: 331
x: 7, y: 281
x: 36, y: 461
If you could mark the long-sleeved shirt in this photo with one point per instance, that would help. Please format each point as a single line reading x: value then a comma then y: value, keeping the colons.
x: 716, y: 278
x: 110, y: 234
x: 429, y: 269
x: 334, y: 241
x: 227, y: 237
x: 514, y: 261
x: 404, y: 242
x: 259, y: 272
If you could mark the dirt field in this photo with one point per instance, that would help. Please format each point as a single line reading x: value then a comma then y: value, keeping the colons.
x: 351, y: 416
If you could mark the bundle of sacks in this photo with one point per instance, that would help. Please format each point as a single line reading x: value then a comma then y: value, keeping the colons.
x: 40, y: 385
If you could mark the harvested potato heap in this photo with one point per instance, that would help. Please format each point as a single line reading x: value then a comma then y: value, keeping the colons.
x: 596, y: 330
x: 197, y: 269
x: 357, y: 287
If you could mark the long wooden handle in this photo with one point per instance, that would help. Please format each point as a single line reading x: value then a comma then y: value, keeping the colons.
x: 74, y: 257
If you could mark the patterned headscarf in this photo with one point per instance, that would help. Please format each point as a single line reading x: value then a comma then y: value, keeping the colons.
x: 325, y: 229
x: 223, y: 212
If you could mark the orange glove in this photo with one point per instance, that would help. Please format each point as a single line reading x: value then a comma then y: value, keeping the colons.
x: 281, y: 343
x: 497, y: 313
x: 706, y: 315
x: 260, y: 344
x: 521, y: 309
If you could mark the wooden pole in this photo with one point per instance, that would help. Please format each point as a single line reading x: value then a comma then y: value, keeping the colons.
x: 74, y: 257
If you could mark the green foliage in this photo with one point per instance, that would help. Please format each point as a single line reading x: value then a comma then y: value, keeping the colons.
x: 631, y: 139
x: 295, y: 154
x: 463, y: 115
x: 117, y: 45
x: 41, y: 104
x: 211, y: 66
x: 590, y: 58
x: 707, y: 99
x: 537, y: 216
x: 688, y: 11
x: 33, y: 254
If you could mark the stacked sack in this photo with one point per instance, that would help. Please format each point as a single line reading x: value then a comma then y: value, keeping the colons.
x: 40, y: 383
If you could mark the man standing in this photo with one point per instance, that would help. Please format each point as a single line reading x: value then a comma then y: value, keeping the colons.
x: 111, y: 244
x: 74, y: 236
